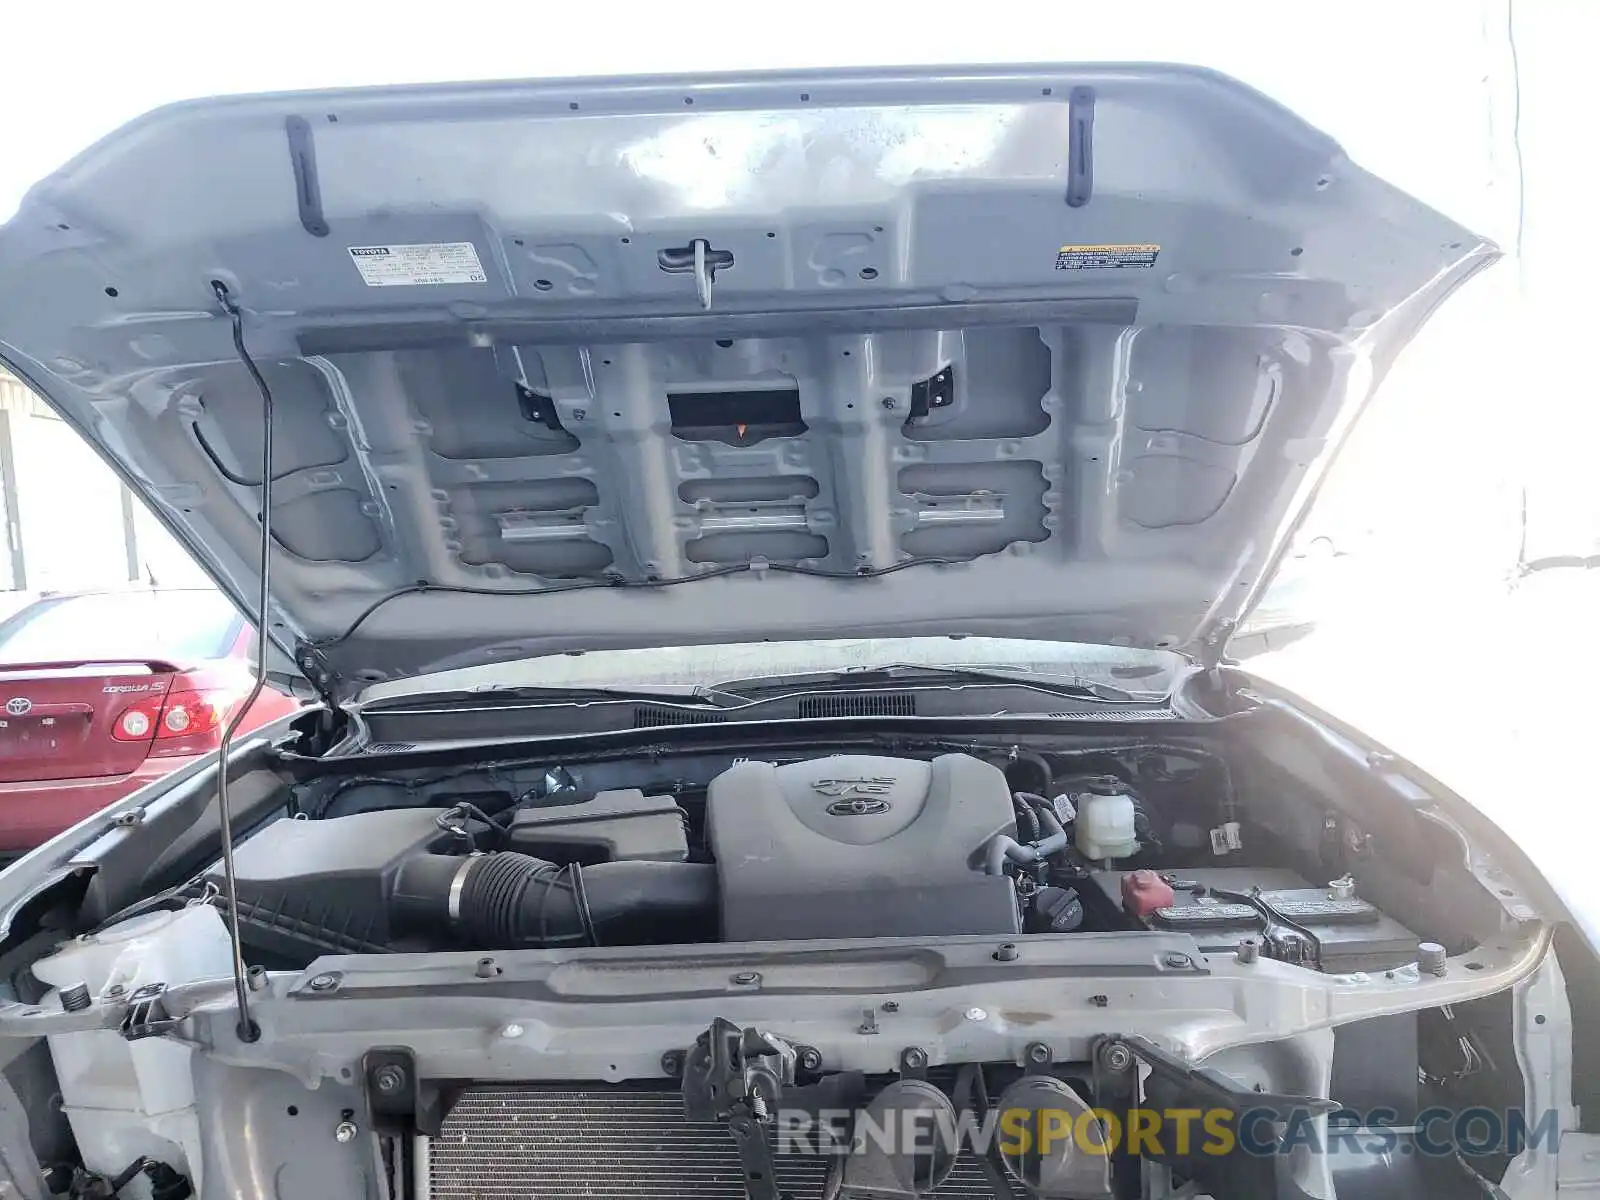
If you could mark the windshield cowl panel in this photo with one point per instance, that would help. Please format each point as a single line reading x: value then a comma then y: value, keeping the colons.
x: 1134, y: 670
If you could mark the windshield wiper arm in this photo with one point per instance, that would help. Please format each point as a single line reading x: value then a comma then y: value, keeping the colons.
x: 687, y: 695
x: 890, y: 674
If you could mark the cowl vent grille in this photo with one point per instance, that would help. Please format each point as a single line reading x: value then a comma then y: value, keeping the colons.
x: 1117, y: 714
x: 891, y: 704
x: 652, y: 716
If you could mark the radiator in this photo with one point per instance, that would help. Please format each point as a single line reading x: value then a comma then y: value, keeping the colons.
x: 597, y: 1141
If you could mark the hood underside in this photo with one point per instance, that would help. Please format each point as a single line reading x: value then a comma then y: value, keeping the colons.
x: 1054, y: 352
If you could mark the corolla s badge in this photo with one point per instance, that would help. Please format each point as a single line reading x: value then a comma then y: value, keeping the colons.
x: 19, y: 706
x: 860, y: 806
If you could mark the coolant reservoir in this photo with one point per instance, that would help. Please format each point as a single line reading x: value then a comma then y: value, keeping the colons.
x: 1105, y: 825
x: 125, y: 1099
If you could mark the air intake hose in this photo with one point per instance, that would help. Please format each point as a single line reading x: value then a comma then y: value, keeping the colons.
x: 508, y: 900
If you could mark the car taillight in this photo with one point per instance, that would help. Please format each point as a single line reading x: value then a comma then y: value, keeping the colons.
x: 138, y: 721
x: 190, y: 714
x: 180, y: 723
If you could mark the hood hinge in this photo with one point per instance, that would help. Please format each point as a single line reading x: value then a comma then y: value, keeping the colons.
x: 315, y: 667
x: 1214, y: 646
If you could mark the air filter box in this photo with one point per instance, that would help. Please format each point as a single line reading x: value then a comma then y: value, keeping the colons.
x: 620, y: 824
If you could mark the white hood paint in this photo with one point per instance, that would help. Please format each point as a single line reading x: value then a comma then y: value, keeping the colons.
x: 1054, y: 352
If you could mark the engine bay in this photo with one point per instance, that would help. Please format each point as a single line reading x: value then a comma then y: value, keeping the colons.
x: 660, y: 949
x: 833, y: 846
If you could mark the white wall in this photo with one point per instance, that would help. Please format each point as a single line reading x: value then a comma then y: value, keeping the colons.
x: 69, y: 507
x: 71, y: 518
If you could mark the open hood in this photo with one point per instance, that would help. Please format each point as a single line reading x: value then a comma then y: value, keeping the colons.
x: 1048, y: 352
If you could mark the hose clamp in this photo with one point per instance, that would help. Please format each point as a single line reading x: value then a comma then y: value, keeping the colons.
x: 458, y: 884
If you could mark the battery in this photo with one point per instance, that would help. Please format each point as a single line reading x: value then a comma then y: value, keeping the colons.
x: 1351, y: 933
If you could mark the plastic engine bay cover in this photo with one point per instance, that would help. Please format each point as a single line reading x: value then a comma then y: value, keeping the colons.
x: 858, y: 845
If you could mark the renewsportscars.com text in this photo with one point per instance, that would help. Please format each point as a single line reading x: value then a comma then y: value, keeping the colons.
x: 1167, y: 1132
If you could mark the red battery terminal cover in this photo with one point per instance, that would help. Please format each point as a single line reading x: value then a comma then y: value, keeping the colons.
x: 1143, y: 892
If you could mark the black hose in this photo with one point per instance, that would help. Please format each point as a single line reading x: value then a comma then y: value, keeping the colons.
x: 1143, y: 829
x: 1044, y: 813
x: 509, y: 900
x: 1028, y: 817
x: 1044, y: 776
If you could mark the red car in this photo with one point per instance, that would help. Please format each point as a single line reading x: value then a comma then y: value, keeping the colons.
x: 103, y: 692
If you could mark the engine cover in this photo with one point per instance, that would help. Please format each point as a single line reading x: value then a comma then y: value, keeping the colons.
x: 860, y: 846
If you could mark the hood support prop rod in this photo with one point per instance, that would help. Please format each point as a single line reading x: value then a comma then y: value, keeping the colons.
x: 247, y: 1028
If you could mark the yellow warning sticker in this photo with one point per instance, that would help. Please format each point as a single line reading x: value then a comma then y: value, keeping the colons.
x: 1107, y: 258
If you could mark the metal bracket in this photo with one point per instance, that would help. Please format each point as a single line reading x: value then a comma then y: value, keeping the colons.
x: 755, y: 1154
x: 1214, y: 648
x: 739, y: 1076
x: 936, y: 391
x: 314, y: 666
x: 1211, y: 1088
x: 539, y: 407
x: 399, y: 1100
x: 147, y: 1014
x: 729, y: 1066
x: 913, y: 1063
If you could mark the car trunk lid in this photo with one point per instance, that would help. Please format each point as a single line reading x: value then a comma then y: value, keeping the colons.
x: 79, y: 720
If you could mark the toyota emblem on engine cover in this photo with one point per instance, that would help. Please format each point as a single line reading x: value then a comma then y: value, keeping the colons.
x: 19, y: 706
x: 861, y: 806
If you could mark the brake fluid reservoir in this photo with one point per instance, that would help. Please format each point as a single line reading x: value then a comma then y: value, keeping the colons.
x: 124, y: 1099
x: 1105, y: 825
